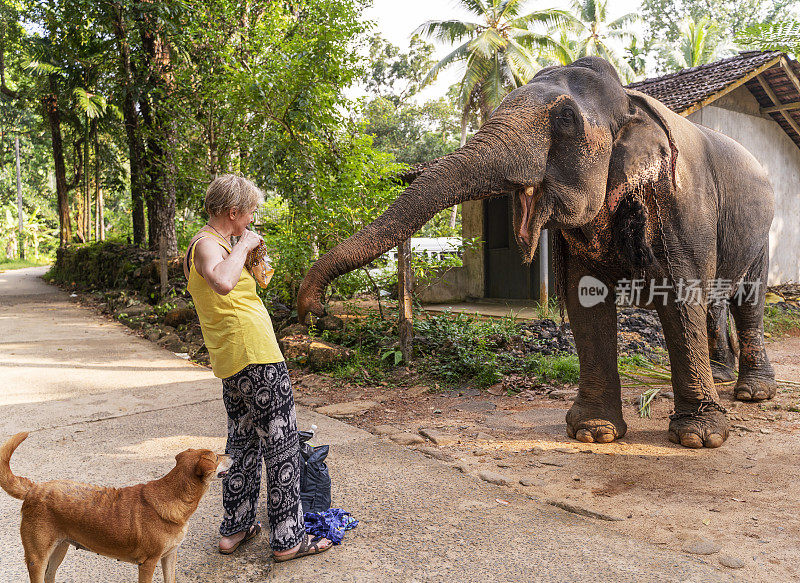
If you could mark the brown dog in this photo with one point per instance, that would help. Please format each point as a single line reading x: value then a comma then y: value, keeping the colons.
x: 141, y: 524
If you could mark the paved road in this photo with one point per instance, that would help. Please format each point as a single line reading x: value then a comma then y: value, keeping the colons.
x: 107, y: 407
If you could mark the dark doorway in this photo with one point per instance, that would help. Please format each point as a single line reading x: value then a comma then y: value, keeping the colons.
x: 506, y: 276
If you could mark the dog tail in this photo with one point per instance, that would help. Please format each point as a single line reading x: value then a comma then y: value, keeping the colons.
x: 14, y: 485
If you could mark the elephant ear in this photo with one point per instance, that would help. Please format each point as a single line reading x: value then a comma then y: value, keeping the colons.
x: 641, y: 169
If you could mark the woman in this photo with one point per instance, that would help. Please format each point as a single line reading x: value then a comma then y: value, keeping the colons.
x: 256, y: 389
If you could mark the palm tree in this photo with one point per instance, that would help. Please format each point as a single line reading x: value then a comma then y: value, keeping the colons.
x: 497, y: 51
x: 697, y: 44
x: 594, y: 33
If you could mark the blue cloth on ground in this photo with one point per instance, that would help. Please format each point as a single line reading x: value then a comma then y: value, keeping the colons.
x: 330, y: 524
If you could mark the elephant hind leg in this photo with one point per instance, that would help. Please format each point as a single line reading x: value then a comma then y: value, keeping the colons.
x: 756, y: 380
x: 699, y: 420
x: 720, y: 344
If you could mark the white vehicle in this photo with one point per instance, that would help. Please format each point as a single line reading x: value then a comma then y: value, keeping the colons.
x: 431, y: 247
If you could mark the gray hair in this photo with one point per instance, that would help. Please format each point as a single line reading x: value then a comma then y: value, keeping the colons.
x: 231, y: 191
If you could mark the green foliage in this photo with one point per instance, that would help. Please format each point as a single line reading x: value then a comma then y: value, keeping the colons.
x: 109, y: 265
x: 412, y: 133
x: 773, y: 36
x: 357, y: 190
x: 781, y: 322
x: 697, y: 44
x: 664, y: 19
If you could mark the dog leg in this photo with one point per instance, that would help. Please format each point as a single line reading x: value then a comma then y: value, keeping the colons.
x: 38, y: 548
x: 55, y: 561
x: 168, y: 563
x: 147, y: 570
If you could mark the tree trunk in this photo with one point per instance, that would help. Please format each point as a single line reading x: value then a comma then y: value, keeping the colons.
x: 99, y: 225
x: 19, y: 201
x: 162, y: 171
x: 79, y: 199
x: 87, y: 198
x: 53, y: 115
x: 131, y: 120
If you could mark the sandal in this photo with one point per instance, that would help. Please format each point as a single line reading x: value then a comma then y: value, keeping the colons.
x: 306, y: 548
x: 252, y: 532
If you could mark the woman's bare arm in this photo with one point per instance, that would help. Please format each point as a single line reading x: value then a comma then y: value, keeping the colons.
x: 222, y: 273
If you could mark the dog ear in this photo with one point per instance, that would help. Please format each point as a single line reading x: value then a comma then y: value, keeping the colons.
x: 206, y: 464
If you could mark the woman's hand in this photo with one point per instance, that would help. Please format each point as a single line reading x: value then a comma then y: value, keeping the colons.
x: 250, y: 239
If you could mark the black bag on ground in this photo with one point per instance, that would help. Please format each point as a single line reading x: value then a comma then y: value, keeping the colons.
x: 315, y: 482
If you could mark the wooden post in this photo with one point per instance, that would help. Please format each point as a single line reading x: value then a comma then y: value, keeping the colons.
x: 544, y: 272
x: 404, y: 305
x: 163, y: 273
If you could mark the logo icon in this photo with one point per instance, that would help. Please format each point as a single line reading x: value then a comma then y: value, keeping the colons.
x: 591, y: 291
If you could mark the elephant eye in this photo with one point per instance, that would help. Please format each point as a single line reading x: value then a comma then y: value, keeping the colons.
x: 566, y: 118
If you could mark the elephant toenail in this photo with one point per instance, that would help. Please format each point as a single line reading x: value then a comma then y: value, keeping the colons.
x: 605, y: 437
x: 673, y: 437
x: 714, y: 440
x: 692, y: 440
x: 743, y: 395
x: 584, y: 435
x: 760, y: 395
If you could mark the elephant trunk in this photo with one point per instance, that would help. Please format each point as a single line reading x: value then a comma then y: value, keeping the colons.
x: 461, y: 176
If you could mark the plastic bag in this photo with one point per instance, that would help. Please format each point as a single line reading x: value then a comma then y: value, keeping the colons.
x: 315, y: 481
x: 257, y: 264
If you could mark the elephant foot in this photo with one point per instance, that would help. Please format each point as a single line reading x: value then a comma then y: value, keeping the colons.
x: 755, y: 388
x: 722, y: 373
x: 705, y: 428
x: 591, y: 425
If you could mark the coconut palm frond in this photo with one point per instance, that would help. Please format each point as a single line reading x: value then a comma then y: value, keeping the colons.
x: 509, y: 8
x: 621, y: 65
x: 477, y: 7
x: 493, y: 91
x: 622, y: 21
x: 552, y: 18
x: 488, y: 43
x: 41, y: 67
x: 447, y: 30
x: 458, y: 54
x: 523, y: 62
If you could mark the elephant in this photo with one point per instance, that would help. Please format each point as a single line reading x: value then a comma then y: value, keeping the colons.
x: 632, y: 192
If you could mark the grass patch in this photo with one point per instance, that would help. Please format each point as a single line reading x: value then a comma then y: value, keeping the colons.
x: 779, y: 322
x: 450, y: 348
x: 7, y: 264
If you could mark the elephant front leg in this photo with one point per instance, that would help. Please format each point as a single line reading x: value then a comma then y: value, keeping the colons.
x: 699, y: 419
x: 596, y: 414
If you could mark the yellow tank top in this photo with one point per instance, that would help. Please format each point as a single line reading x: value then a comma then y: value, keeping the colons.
x: 236, y: 327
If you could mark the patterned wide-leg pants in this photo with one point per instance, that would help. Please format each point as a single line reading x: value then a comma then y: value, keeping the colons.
x: 262, y: 424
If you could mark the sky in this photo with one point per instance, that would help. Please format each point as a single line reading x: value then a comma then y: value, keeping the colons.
x: 396, y: 21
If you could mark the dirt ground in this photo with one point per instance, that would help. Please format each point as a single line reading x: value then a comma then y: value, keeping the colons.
x: 741, y: 498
